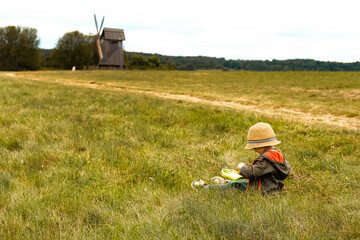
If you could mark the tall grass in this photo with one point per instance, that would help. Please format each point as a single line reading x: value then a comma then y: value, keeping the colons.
x: 79, y: 163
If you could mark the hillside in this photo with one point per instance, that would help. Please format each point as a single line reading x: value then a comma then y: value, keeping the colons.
x: 203, y: 62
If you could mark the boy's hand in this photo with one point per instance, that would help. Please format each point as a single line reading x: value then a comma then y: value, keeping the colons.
x: 240, y: 165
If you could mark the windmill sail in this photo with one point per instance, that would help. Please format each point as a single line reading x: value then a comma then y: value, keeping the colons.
x: 97, y: 40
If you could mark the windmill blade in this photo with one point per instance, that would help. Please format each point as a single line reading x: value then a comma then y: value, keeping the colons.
x: 97, y: 30
x: 101, y: 24
x: 99, y: 48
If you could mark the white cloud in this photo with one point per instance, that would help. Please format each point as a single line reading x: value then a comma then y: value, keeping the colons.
x: 234, y: 29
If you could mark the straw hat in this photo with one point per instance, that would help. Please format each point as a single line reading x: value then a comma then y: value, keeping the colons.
x: 261, y: 135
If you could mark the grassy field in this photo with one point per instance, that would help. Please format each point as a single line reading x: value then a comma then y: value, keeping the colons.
x: 336, y: 93
x: 82, y: 163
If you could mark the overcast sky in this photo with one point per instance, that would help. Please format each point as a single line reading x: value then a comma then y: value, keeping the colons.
x: 324, y: 30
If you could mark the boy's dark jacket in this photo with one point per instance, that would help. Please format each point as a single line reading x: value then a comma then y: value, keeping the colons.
x: 266, y: 172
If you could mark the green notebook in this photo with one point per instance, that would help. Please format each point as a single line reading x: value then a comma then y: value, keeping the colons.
x: 231, y: 174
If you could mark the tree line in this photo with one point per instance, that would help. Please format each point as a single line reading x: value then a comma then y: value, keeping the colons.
x: 19, y: 50
x: 201, y: 62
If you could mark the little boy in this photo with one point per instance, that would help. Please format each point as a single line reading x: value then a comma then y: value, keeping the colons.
x: 267, y: 170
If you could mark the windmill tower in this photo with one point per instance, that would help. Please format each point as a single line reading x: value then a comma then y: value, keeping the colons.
x: 110, y: 47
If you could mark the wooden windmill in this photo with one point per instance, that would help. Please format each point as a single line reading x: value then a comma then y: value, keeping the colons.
x: 110, y: 47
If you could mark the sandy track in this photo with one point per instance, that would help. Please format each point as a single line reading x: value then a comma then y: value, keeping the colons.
x: 288, y: 114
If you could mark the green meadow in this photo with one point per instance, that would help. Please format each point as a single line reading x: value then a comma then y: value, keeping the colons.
x: 336, y: 93
x: 95, y: 163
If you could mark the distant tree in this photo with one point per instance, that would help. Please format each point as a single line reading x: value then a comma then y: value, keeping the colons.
x: 142, y: 63
x: 19, y: 48
x: 126, y: 60
x: 154, y: 62
x: 73, y: 49
x: 169, y: 66
x: 139, y: 62
x: 45, y: 58
x: 186, y: 67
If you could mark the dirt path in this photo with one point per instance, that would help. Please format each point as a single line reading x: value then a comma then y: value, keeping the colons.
x: 288, y: 114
